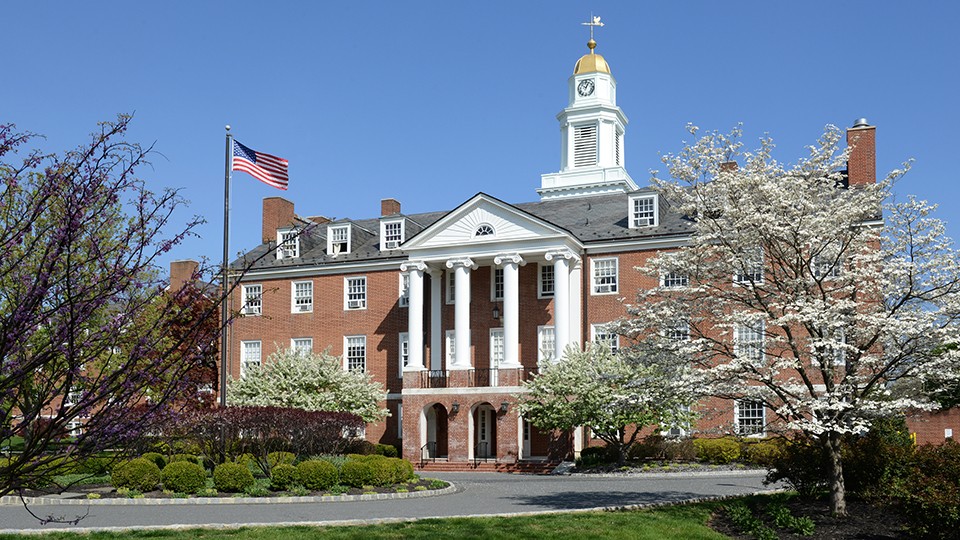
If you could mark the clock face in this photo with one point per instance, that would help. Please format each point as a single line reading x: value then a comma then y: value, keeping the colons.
x: 585, y: 88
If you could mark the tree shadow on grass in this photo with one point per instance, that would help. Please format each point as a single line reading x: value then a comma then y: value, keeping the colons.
x: 573, y: 500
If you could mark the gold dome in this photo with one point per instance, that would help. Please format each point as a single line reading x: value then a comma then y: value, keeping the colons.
x: 591, y: 62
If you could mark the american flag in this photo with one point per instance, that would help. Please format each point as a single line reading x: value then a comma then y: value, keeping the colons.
x: 268, y: 169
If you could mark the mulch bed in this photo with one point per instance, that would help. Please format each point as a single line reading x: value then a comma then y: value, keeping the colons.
x: 864, y: 521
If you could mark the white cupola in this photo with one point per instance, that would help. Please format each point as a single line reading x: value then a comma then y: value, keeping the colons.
x: 592, y: 131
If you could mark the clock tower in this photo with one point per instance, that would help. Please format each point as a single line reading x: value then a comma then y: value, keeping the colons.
x: 592, y: 129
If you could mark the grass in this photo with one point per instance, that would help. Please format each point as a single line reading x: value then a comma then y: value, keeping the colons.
x: 674, y: 522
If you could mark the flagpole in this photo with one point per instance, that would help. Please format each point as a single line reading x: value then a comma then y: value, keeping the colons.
x: 225, y: 269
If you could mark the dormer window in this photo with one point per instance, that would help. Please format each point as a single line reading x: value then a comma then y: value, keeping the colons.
x: 391, y: 234
x: 484, y: 230
x: 644, y: 211
x: 338, y: 239
x: 288, y: 244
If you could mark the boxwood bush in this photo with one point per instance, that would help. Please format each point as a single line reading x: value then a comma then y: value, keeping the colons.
x: 356, y: 473
x: 156, y: 458
x: 190, y: 458
x: 277, y: 458
x: 139, y: 474
x: 232, y: 477
x: 184, y: 477
x: 284, y: 476
x: 718, y: 451
x: 317, y: 475
x: 387, y: 450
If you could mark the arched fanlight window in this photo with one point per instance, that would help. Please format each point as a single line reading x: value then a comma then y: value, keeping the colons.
x: 484, y: 230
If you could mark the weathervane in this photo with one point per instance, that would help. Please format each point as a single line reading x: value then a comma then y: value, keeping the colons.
x: 595, y: 21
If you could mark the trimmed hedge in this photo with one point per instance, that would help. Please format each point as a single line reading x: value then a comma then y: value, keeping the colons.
x: 232, y: 477
x: 156, y: 458
x: 375, y: 470
x: 719, y: 451
x: 387, y: 450
x: 317, y: 475
x: 184, y: 477
x: 189, y: 458
x: 764, y: 453
x: 139, y: 474
x: 284, y: 476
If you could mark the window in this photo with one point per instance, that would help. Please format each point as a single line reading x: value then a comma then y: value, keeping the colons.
x: 546, y: 344
x: 643, y: 211
x: 678, y: 331
x: 338, y: 239
x: 288, y: 244
x: 451, y: 343
x: 585, y: 146
x: 302, y: 296
x: 404, y: 341
x: 748, y: 340
x: 391, y: 232
x: 484, y: 230
x: 604, y: 276
x: 451, y: 278
x: 73, y: 397
x: 302, y: 344
x: 674, y: 280
x: 601, y: 335
x: 496, y: 288
x: 75, y: 427
x: 355, y: 353
x: 750, y: 269
x: 749, y: 418
x: 546, y: 281
x: 252, y: 299
x: 250, y: 358
x: 827, y: 263
x: 404, y: 289
x: 355, y: 291
x: 832, y: 348
x: 496, y: 347
x: 680, y: 428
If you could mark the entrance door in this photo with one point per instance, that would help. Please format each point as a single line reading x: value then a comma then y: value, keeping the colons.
x: 525, y: 453
x: 485, y: 422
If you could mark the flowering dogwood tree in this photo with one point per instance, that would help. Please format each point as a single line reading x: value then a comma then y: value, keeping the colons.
x: 816, y: 299
x: 310, y: 381
x: 615, y: 394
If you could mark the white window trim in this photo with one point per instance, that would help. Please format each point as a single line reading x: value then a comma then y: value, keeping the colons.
x: 493, y: 283
x: 293, y: 343
x: 656, y: 211
x: 293, y: 296
x: 244, y: 298
x: 683, y: 428
x: 346, y: 294
x: 449, y: 284
x: 759, y: 326
x: 495, y: 363
x: 402, y: 338
x: 601, y: 328
x: 404, y: 294
x: 484, y: 226
x: 383, y: 233
x: 449, y: 347
x: 330, y: 229
x: 663, y: 280
x: 541, y: 331
x: 243, y: 354
x: 677, y: 324
x: 593, y: 276
x: 282, y: 246
x: 736, y: 419
x: 744, y: 279
x: 346, y: 351
x: 540, y: 267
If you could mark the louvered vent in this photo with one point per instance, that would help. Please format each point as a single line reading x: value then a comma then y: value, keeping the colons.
x: 585, y: 146
x: 616, y: 148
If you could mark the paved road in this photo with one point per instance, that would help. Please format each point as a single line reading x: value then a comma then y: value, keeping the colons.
x: 477, y: 494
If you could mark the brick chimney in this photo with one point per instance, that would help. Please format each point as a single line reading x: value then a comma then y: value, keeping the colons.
x: 389, y: 207
x: 181, y: 273
x: 277, y: 213
x: 862, y: 162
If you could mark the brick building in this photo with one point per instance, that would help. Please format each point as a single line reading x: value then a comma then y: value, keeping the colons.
x: 452, y: 310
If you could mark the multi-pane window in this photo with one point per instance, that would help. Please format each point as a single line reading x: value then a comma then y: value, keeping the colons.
x: 302, y: 296
x: 404, y: 341
x: 546, y: 280
x: 355, y: 290
x: 827, y: 263
x: 832, y: 350
x: 496, y: 347
x: 451, y: 343
x: 546, y: 344
x: 252, y: 299
x: 250, y: 356
x: 288, y: 244
x: 678, y: 331
x: 748, y: 340
x: 604, y: 276
x: 404, y: 289
x: 674, y: 280
x: 681, y: 428
x: 355, y: 353
x: 73, y: 397
x: 603, y: 336
x: 484, y: 230
x: 750, y: 418
x: 302, y: 344
x: 585, y: 146
x: 750, y: 267
x: 392, y: 234
x: 451, y: 285
x: 338, y: 239
x: 643, y: 211
x: 497, y: 285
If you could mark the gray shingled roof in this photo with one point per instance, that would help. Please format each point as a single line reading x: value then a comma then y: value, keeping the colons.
x: 593, y: 219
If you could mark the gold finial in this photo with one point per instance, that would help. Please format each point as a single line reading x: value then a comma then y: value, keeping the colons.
x: 594, y: 21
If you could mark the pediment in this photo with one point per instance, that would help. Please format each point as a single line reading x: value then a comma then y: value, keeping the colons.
x: 506, y: 223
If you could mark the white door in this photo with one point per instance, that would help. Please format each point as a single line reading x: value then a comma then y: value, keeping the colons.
x: 525, y: 453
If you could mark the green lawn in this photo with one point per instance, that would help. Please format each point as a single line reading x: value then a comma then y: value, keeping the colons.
x: 674, y: 522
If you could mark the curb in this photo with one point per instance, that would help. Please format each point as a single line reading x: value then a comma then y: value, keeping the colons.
x: 15, y: 500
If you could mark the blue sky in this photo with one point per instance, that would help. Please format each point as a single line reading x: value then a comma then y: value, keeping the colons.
x: 431, y: 102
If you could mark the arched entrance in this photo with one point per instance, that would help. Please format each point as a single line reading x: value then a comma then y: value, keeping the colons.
x: 434, y: 433
x: 484, y: 423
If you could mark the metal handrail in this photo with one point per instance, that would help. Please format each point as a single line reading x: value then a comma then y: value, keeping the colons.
x: 435, y: 378
x: 431, y: 449
x: 476, y: 453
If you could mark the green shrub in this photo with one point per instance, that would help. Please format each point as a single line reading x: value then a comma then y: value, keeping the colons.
x: 802, y: 464
x: 189, y: 458
x: 382, y: 471
x: 719, y: 451
x: 283, y: 476
x: 184, y: 477
x: 874, y: 461
x: 387, y: 450
x: 356, y: 473
x: 763, y: 453
x: 929, y: 496
x: 277, y: 458
x: 97, y: 466
x: 592, y: 456
x: 157, y: 458
x: 137, y: 474
x: 360, y: 446
x: 318, y: 475
x: 232, y: 477
x: 402, y: 470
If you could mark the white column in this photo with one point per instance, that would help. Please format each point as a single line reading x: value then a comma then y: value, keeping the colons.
x: 461, y: 319
x: 436, y: 332
x: 561, y: 298
x: 511, y: 307
x: 415, y: 314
